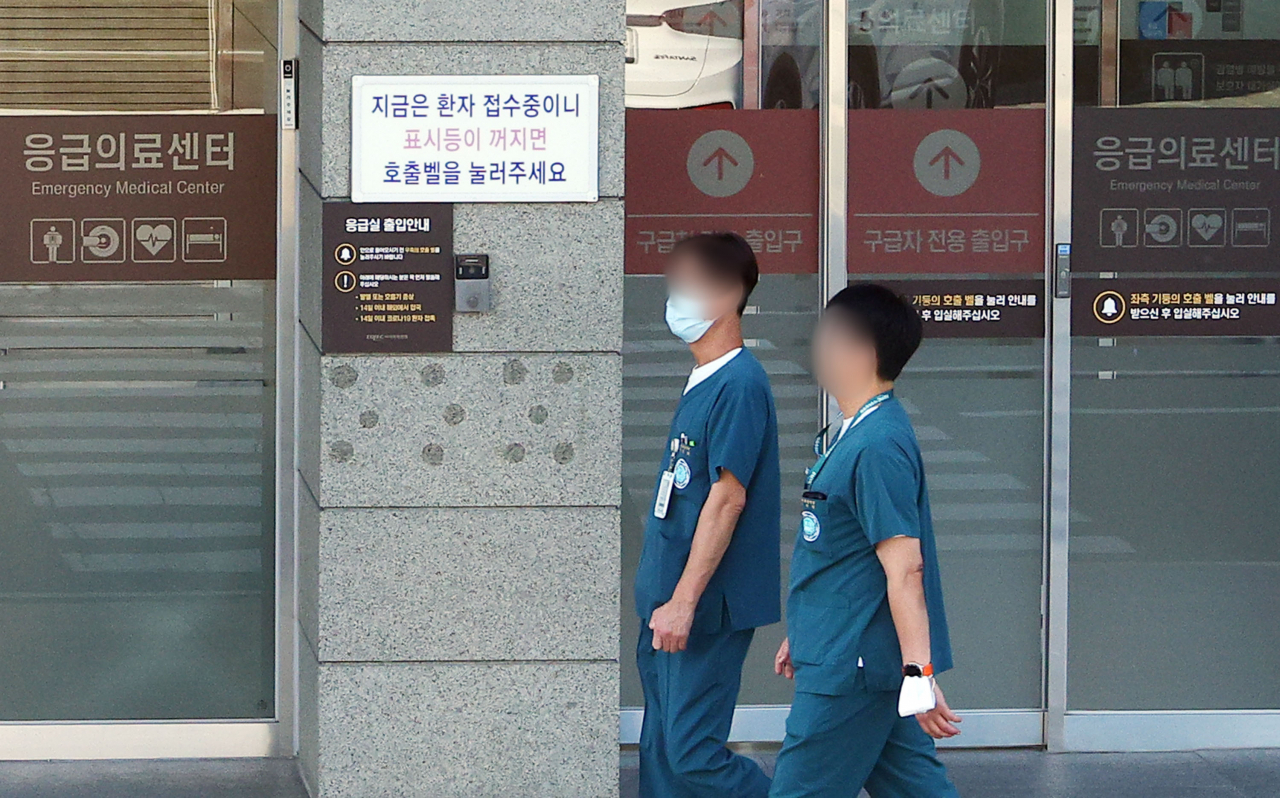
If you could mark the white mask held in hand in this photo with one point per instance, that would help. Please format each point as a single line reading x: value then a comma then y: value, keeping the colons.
x: 916, y: 696
x: 686, y: 317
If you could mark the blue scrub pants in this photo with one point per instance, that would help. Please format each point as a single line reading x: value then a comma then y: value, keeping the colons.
x: 688, y: 707
x: 838, y: 744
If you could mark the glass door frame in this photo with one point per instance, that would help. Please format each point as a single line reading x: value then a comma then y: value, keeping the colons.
x: 1059, y: 118
x: 218, y: 738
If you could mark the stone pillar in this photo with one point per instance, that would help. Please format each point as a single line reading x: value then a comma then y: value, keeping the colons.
x: 459, y: 514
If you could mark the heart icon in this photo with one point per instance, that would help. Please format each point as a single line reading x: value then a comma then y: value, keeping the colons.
x: 154, y: 237
x: 1207, y: 224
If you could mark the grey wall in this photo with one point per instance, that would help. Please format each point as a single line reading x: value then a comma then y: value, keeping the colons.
x: 459, y: 528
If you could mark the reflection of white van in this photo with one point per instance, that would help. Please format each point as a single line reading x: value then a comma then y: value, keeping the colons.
x: 902, y: 53
x: 683, y: 56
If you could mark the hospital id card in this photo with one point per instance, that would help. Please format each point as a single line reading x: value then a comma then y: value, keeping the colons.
x: 664, y: 494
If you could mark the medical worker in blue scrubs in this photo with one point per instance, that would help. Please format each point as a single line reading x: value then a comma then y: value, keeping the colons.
x: 866, y: 629
x: 709, y: 571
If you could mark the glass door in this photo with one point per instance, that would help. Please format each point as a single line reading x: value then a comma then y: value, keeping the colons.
x: 946, y: 200
x: 1175, y: 367
x: 873, y: 141
x: 722, y: 134
x: 138, y: 369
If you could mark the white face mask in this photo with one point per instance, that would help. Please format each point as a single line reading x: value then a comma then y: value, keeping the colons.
x: 686, y: 317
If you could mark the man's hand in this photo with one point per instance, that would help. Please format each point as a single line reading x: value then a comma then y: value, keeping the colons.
x: 671, y: 624
x: 939, y: 722
x: 782, y: 660
x: 719, y: 516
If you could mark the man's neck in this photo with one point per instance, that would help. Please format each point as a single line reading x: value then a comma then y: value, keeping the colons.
x: 856, y: 399
x: 723, y: 337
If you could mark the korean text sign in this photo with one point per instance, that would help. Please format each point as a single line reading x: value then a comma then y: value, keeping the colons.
x: 699, y: 171
x: 947, y: 192
x: 126, y: 198
x: 388, y: 278
x: 1176, y: 190
x: 511, y: 138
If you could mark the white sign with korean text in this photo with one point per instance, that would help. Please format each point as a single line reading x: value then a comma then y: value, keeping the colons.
x: 448, y: 138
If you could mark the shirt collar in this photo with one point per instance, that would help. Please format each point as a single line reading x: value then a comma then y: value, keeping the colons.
x: 848, y: 422
x: 845, y: 426
x: 701, y: 373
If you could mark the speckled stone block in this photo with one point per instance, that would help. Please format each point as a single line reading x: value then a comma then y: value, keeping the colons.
x: 453, y: 21
x: 557, y: 277
x: 471, y: 431
x: 478, y: 584
x: 326, y: 141
x: 532, y: 730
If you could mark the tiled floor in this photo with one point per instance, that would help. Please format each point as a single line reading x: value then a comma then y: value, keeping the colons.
x: 1034, y: 774
x: 978, y: 774
x: 235, y: 778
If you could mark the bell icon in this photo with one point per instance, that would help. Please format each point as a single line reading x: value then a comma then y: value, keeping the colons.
x: 1109, y: 307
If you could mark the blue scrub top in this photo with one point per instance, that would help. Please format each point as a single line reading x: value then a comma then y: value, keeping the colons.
x: 871, y: 488
x: 727, y: 421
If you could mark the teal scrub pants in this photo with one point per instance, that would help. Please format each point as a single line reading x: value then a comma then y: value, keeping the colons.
x: 838, y: 744
x: 688, y: 707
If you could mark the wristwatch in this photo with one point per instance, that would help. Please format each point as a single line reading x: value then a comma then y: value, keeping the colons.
x: 914, y: 669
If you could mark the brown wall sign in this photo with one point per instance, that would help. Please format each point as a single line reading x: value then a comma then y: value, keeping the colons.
x: 103, y: 198
x: 1202, y: 307
x: 978, y: 308
x: 388, y: 278
x: 1176, y: 190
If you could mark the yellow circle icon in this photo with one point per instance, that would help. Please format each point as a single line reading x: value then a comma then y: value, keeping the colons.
x: 345, y: 254
x: 1109, y: 307
x: 345, y: 282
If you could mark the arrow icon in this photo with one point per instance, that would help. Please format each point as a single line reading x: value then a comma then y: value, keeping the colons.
x: 709, y: 21
x: 947, y: 157
x: 720, y: 156
x: 928, y: 87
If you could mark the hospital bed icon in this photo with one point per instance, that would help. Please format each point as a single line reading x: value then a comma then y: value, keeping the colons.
x: 204, y: 240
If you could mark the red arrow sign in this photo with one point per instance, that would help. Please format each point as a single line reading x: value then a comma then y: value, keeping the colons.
x: 720, y: 156
x: 947, y: 156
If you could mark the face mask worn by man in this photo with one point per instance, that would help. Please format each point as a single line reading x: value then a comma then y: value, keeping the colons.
x: 686, y: 317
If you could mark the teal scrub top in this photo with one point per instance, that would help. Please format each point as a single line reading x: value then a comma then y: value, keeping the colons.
x: 870, y: 488
x: 727, y: 421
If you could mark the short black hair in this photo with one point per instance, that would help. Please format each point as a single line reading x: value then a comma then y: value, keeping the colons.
x: 727, y: 257
x: 887, y: 318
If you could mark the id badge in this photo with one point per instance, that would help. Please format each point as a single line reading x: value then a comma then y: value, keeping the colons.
x: 664, y: 494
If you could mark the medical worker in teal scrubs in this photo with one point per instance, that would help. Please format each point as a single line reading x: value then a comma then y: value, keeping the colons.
x: 709, y: 572
x: 866, y: 630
